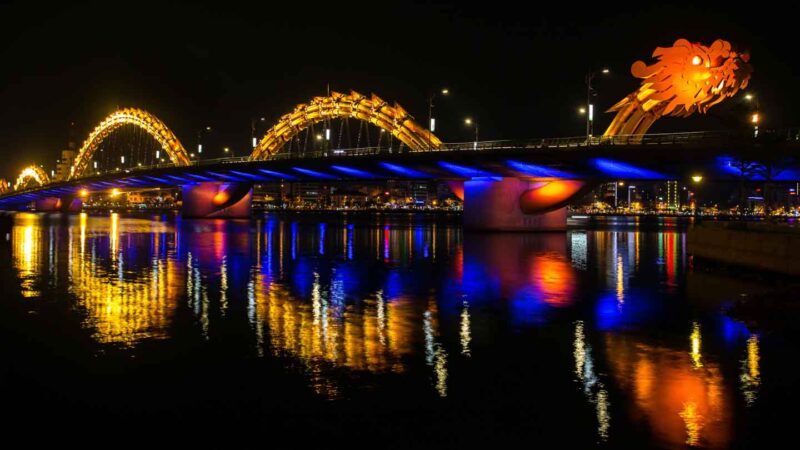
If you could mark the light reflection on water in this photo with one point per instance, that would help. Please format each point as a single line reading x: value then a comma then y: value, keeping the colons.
x: 408, y: 299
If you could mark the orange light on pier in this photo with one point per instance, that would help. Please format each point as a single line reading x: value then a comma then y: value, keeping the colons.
x: 549, y: 195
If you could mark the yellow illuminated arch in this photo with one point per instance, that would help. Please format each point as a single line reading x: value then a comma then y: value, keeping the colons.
x: 35, y: 173
x: 136, y: 117
x: 3, y: 185
x: 374, y: 110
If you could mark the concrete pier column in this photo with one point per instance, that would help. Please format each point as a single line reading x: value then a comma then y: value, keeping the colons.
x: 217, y: 200
x: 68, y: 203
x: 513, y: 204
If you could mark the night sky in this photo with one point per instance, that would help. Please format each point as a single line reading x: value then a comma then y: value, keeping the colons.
x: 518, y: 68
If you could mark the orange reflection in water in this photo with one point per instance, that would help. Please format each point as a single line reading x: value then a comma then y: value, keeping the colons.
x: 553, y: 277
x: 681, y: 403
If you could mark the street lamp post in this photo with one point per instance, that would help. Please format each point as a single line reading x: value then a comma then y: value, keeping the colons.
x: 696, y: 179
x: 470, y: 121
x: 253, y: 137
x: 431, y: 119
x: 755, y: 117
x: 589, y: 106
x: 617, y: 184
x: 200, y: 140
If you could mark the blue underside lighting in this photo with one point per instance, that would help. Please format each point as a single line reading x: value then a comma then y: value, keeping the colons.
x: 755, y: 170
x: 277, y: 174
x: 353, y: 172
x: 538, y: 171
x: 197, y: 177
x: 160, y: 180
x: 248, y: 175
x: 314, y: 173
x: 617, y: 169
x: 223, y: 176
x: 465, y: 171
x: 404, y: 171
x: 181, y: 180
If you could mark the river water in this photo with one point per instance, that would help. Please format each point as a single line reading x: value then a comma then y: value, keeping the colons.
x: 389, y: 330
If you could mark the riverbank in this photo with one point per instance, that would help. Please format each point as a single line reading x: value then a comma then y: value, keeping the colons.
x: 765, y: 246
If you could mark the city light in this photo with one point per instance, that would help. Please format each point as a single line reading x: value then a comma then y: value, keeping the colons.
x: 255, y: 142
x: 754, y: 118
x: 158, y: 154
x: 433, y: 124
x: 582, y: 110
x: 606, y: 71
x: 115, y: 192
x: 327, y: 134
x: 697, y: 178
x: 122, y: 160
x: 227, y: 149
x: 319, y: 137
x: 445, y: 91
x: 468, y: 121
x: 83, y: 193
x: 748, y: 96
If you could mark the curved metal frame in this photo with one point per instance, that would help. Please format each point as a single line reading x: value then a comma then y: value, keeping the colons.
x: 35, y: 172
x: 374, y: 110
x: 130, y: 116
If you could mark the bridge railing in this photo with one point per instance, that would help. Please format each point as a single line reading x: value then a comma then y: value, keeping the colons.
x: 699, y: 137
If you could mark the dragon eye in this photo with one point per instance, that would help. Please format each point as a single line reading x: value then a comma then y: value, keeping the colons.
x: 696, y: 61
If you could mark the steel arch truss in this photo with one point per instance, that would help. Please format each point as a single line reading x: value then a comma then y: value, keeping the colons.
x: 130, y: 116
x: 35, y: 173
x: 374, y: 110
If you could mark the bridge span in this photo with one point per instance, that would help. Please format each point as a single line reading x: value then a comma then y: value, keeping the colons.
x: 525, y: 182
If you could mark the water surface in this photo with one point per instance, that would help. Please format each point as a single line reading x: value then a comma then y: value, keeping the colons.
x: 390, y: 330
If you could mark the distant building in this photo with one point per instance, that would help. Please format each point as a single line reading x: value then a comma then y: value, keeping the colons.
x: 135, y: 198
x: 64, y: 164
x: 673, y: 201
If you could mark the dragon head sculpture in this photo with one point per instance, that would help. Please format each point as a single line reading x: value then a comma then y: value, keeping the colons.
x: 686, y: 78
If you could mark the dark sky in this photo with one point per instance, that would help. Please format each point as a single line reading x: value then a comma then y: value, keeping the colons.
x: 518, y: 67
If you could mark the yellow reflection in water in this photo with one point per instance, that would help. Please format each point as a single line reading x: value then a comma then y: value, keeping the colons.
x: 751, y: 374
x: 593, y: 388
x: 465, y: 329
x: 27, y: 246
x: 323, y: 335
x: 118, y: 309
x: 113, y: 236
x: 682, y: 403
x: 123, y: 307
x: 696, y: 340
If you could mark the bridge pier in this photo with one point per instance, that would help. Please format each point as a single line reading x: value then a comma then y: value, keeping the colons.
x: 513, y: 204
x: 217, y: 200
x: 67, y: 204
